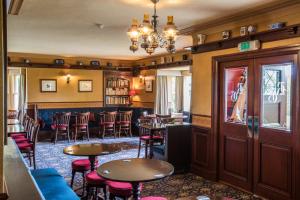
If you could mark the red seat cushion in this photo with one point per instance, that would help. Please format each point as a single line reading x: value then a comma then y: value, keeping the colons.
x: 82, y: 164
x: 94, y: 179
x: 153, y: 198
x: 59, y: 126
x: 155, y: 137
x: 25, y: 146
x: 124, y: 122
x: 81, y: 126
x: 17, y: 135
x: 120, y: 189
x: 21, y: 139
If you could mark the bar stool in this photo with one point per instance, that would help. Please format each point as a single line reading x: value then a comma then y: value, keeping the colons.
x: 93, y: 180
x: 119, y: 189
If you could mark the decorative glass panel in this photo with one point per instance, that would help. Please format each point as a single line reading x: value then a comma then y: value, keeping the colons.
x: 236, y: 95
x: 276, y: 96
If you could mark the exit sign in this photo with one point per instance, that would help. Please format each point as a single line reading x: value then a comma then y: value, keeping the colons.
x: 249, y: 45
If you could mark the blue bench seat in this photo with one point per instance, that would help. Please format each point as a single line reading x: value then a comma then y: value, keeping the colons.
x: 52, y: 185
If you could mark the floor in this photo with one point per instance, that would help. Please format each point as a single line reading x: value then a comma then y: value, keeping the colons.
x: 174, y: 187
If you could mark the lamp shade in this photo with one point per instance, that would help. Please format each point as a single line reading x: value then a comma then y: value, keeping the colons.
x: 132, y: 92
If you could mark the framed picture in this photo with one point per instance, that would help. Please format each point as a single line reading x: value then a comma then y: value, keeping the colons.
x: 149, y: 85
x: 48, y: 85
x: 85, y: 86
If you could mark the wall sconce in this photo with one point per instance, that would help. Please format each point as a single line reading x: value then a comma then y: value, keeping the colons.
x: 68, y: 78
x: 142, y: 79
x: 132, y: 92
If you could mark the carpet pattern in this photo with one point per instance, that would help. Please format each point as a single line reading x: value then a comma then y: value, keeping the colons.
x: 174, y: 187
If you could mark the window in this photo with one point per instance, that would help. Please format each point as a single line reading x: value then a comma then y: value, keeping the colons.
x: 187, y: 93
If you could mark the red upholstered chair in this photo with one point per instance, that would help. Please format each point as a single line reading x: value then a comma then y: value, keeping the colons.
x: 96, y: 182
x: 29, y: 132
x: 26, y: 125
x: 144, y: 136
x: 153, y: 198
x: 107, y: 123
x: 119, y: 189
x: 81, y: 166
x: 81, y: 125
x: 124, y: 123
x: 28, y: 148
x: 61, y: 125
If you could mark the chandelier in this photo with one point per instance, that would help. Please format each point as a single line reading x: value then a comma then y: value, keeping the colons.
x: 147, y: 36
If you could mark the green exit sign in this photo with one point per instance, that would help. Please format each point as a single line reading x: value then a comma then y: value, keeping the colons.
x: 249, y: 45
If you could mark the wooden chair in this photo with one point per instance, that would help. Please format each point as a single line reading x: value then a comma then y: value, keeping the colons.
x: 81, y: 125
x: 61, y: 124
x: 108, y: 123
x: 144, y: 136
x: 124, y: 123
x: 163, y: 118
x: 28, y: 147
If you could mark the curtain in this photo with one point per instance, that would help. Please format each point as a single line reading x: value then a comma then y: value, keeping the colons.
x: 22, y: 91
x: 179, y: 94
x: 161, y: 101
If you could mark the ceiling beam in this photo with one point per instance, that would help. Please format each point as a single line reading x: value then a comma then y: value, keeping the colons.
x: 238, y: 16
x: 14, y: 6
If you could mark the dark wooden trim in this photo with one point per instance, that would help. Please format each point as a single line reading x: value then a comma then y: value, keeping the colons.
x: 54, y: 66
x: 166, y: 65
x: 85, y: 80
x: 200, y: 115
x: 239, y: 16
x: 4, y: 59
x: 264, y: 36
x: 3, y: 196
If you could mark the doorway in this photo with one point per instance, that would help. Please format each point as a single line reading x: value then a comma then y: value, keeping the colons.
x: 255, y: 106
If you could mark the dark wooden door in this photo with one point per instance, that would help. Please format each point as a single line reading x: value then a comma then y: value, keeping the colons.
x: 236, y: 114
x: 275, y: 108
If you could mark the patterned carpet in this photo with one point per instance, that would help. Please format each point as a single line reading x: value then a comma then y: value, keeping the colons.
x: 174, y: 187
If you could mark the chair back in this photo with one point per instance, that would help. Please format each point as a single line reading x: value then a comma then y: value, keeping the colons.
x: 62, y: 118
x: 108, y: 117
x: 12, y: 114
x: 83, y: 118
x: 163, y: 118
x: 35, y: 132
x: 125, y: 116
x: 29, y: 127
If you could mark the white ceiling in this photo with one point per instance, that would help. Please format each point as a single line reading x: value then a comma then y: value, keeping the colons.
x: 67, y: 27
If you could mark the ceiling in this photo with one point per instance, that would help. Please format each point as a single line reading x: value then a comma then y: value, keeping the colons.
x: 67, y: 27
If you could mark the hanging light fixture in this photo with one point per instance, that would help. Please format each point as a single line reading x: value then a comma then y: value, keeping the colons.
x: 147, y: 36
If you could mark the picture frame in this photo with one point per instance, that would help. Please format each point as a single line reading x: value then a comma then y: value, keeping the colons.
x: 148, y: 85
x: 85, y: 85
x: 48, y: 85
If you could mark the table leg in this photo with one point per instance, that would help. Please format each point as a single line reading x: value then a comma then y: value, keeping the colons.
x: 136, y: 191
x: 151, y: 144
x: 92, y: 161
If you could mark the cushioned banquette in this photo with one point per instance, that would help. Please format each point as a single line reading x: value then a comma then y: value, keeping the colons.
x: 52, y: 185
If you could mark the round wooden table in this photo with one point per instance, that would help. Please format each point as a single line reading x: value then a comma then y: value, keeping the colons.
x: 135, y: 171
x: 92, y: 151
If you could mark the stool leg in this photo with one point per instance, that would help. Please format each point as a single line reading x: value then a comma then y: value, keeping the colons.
x: 146, y: 149
x: 139, y: 151
x: 83, y: 183
x: 72, y: 179
x: 104, y: 192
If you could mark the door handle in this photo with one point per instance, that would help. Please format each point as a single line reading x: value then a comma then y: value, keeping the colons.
x: 256, y: 125
x: 250, y: 126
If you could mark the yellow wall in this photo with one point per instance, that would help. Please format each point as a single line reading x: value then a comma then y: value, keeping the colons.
x: 65, y: 92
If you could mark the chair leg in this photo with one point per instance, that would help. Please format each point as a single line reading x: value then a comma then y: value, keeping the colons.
x: 68, y: 132
x: 104, y: 192
x: 56, y: 133
x: 75, y: 136
x: 120, y: 131
x: 139, y: 151
x: 130, y: 132
x: 88, y: 133
x: 34, y: 162
x: 29, y: 157
x: 72, y: 179
x: 103, y: 132
x: 146, y: 149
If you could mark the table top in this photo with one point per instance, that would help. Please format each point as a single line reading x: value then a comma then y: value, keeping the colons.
x: 12, y: 121
x: 17, y: 128
x: 95, y: 149
x: 135, y: 170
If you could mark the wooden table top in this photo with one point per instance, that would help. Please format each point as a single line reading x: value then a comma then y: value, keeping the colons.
x: 135, y: 170
x: 95, y: 149
x: 12, y: 121
x: 17, y: 128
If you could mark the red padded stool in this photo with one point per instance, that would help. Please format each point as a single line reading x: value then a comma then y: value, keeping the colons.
x: 93, y: 180
x: 154, y: 198
x: 119, y: 189
x: 81, y: 166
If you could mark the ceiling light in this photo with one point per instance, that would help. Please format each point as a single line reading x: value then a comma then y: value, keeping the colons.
x: 147, y: 36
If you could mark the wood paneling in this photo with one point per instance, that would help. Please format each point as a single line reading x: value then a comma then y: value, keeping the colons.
x: 47, y: 105
x: 203, y: 153
x: 201, y: 120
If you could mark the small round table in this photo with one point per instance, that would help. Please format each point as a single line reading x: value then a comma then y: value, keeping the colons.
x: 92, y: 151
x: 135, y: 171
